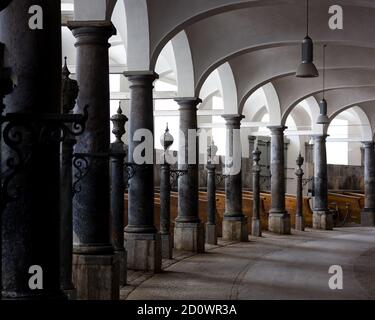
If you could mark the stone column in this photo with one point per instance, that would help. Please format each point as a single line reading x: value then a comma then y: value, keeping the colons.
x: 142, y: 241
x: 234, y: 222
x: 322, y: 218
x: 118, y: 155
x: 211, y: 234
x: 31, y: 216
x: 256, y: 226
x: 166, y: 141
x: 368, y: 212
x: 189, y: 231
x: 279, y: 219
x: 94, y: 263
x: 300, y: 221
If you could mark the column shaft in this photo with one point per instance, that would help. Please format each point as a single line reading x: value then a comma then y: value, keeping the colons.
x: 279, y: 219
x: 142, y: 240
x: 31, y: 221
x: 322, y: 219
x: 234, y: 222
x: 368, y: 212
x: 189, y: 232
x: 117, y: 207
x: 165, y: 211
x: 93, y: 252
x: 66, y: 207
x: 256, y: 227
x: 211, y: 236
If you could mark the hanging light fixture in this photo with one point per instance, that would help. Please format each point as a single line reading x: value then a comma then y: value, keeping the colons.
x: 307, y: 68
x: 323, y: 118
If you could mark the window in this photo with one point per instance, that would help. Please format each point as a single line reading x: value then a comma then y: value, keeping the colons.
x: 337, y: 151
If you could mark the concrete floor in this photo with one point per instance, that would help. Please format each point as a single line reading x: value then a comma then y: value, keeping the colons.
x: 271, y: 267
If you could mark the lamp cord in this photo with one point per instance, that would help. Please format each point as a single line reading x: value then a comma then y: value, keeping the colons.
x: 307, y: 17
x: 324, y: 68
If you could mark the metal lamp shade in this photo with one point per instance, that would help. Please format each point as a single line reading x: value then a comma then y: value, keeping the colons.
x: 307, y: 68
x: 323, y: 118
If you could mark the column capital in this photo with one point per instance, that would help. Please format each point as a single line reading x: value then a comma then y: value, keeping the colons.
x: 277, y: 129
x: 251, y: 138
x: 233, y: 119
x: 320, y: 137
x: 188, y: 102
x: 368, y: 144
x: 91, y: 31
x: 141, y: 75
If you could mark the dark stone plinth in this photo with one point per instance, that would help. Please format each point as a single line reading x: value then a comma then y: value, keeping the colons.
x: 368, y: 217
x: 235, y: 229
x: 144, y: 251
x: 189, y: 237
x: 95, y: 277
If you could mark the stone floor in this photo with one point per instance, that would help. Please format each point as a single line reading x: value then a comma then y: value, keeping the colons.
x: 271, y: 267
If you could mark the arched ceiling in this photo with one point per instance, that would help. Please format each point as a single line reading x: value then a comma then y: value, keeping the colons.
x: 258, y: 41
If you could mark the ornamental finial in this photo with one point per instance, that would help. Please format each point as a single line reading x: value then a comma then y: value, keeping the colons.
x: 119, y: 120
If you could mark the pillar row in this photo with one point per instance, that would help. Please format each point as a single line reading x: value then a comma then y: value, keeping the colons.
x: 368, y: 212
x: 31, y: 214
x: 94, y: 263
x: 279, y: 219
x: 142, y: 240
x: 322, y: 218
x: 188, y: 231
x: 234, y: 221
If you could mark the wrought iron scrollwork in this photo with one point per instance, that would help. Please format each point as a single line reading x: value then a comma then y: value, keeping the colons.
x: 82, y: 166
x: 24, y: 132
x: 130, y: 171
x: 174, y: 175
x: 220, y: 177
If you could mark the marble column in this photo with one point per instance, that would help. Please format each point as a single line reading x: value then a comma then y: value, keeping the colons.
x: 368, y: 212
x: 31, y: 216
x: 300, y: 221
x: 211, y: 234
x: 256, y: 226
x: 279, y: 219
x: 322, y: 218
x: 118, y: 155
x: 142, y: 241
x: 234, y: 221
x: 94, y: 264
x: 188, y: 231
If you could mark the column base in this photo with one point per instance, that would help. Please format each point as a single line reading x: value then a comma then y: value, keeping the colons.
x: 279, y: 222
x: 96, y: 277
x: 166, y: 246
x: 70, y: 291
x: 211, y: 234
x: 235, y: 229
x: 189, y: 236
x: 322, y: 220
x: 122, y: 257
x: 300, y: 223
x: 256, y: 228
x: 368, y: 217
x: 144, y: 251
